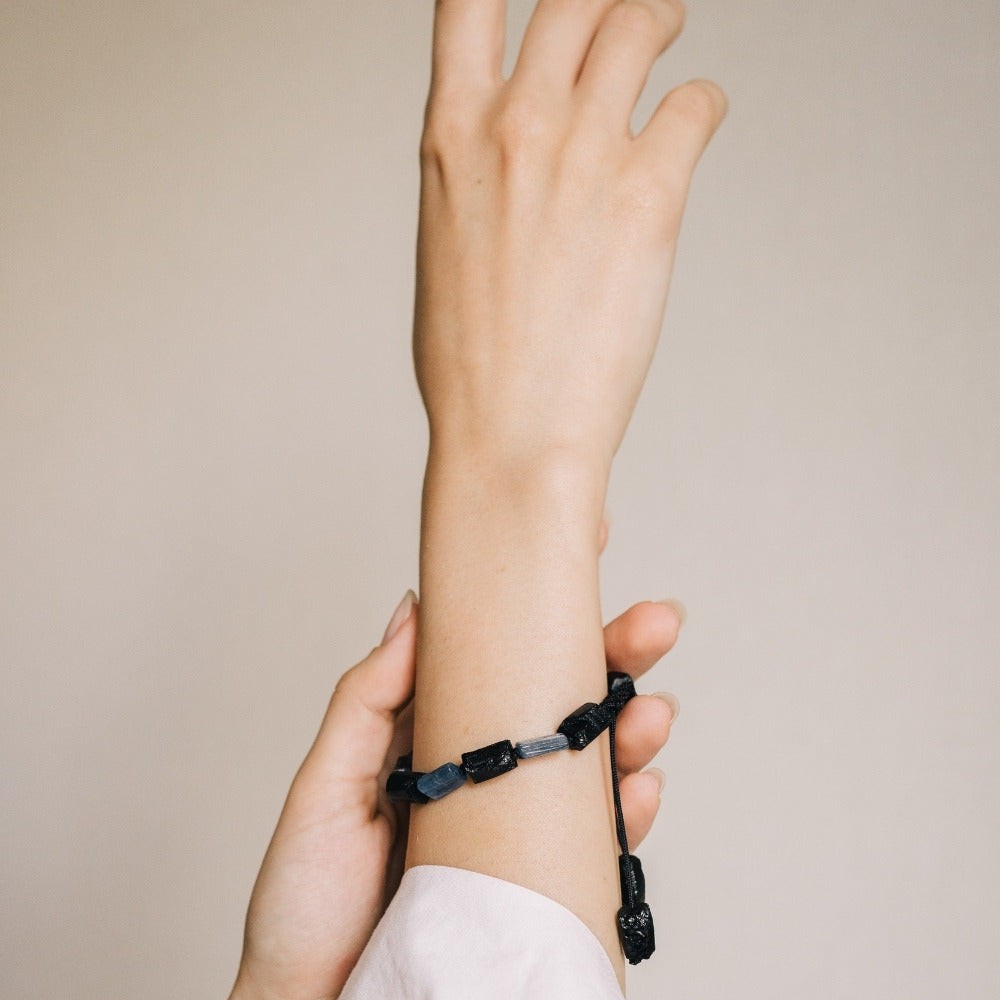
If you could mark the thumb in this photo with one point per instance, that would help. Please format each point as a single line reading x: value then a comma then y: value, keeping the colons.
x: 360, y: 720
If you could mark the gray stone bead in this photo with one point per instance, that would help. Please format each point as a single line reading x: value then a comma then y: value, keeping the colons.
x: 442, y: 780
x: 540, y: 745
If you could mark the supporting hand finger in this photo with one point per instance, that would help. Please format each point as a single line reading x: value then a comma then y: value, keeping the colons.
x: 642, y: 730
x: 360, y: 722
x: 468, y: 44
x: 640, y: 794
x: 638, y: 638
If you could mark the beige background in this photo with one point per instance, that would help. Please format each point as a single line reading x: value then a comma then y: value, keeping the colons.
x: 212, y: 449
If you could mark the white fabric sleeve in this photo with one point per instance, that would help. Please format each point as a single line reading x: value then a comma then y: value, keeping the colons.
x: 453, y: 934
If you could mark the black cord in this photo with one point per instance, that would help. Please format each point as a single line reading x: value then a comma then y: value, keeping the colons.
x: 619, y: 816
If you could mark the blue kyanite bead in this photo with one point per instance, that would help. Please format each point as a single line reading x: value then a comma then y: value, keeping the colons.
x: 540, y: 745
x: 585, y: 725
x: 442, y: 780
x: 488, y: 762
x: 402, y: 786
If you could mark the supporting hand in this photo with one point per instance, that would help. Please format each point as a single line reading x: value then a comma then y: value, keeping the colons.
x: 336, y: 857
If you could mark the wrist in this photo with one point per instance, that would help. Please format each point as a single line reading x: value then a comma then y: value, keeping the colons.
x: 492, y: 478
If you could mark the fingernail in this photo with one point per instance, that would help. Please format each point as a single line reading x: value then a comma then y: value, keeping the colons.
x: 399, y: 616
x: 677, y: 606
x: 671, y: 700
x: 660, y: 776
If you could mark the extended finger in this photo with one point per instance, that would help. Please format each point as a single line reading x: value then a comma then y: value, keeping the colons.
x: 555, y: 43
x: 468, y: 44
x: 679, y: 131
x: 628, y: 42
x: 638, y: 638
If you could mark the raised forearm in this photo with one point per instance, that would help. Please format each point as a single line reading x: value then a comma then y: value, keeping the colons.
x: 511, y: 642
x: 546, y: 239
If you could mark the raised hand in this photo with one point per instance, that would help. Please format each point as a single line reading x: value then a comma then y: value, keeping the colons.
x: 547, y: 230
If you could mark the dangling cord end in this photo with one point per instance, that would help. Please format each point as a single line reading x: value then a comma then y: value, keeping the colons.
x: 635, y: 920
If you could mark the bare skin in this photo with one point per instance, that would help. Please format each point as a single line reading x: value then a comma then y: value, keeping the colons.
x: 546, y: 242
x: 547, y: 236
x: 336, y: 858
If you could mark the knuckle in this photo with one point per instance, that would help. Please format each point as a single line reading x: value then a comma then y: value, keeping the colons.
x: 649, y: 17
x: 520, y: 124
x: 431, y: 152
x: 350, y: 685
x: 637, y: 16
x: 446, y: 131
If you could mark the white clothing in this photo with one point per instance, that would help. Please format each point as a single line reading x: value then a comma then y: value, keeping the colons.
x: 453, y: 934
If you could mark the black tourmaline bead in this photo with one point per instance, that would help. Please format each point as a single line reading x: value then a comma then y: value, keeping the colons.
x: 621, y: 690
x: 585, y: 725
x: 405, y: 763
x: 635, y: 929
x: 402, y: 786
x: 632, y: 880
x: 488, y: 762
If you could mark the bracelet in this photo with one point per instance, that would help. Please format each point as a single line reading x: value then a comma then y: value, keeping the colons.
x: 576, y: 732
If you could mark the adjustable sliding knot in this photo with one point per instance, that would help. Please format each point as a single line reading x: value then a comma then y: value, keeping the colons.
x: 584, y: 725
x: 576, y: 732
